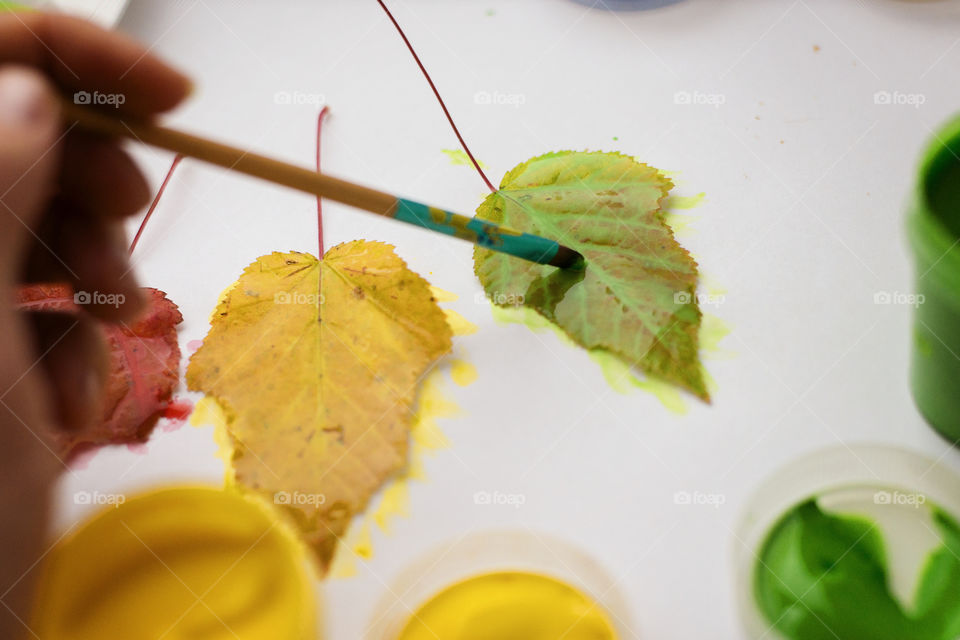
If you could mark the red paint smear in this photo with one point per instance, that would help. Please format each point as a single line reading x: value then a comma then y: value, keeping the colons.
x: 156, y: 200
x: 436, y: 93
x: 193, y: 345
x: 139, y: 448
x: 176, y: 414
x: 323, y: 113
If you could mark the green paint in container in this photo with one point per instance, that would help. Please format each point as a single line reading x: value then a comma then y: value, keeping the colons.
x: 827, y: 570
x: 933, y: 225
x: 856, y: 543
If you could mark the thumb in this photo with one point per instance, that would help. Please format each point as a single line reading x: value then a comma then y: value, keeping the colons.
x: 29, y: 158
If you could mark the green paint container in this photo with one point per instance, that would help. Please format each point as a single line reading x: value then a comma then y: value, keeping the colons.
x: 858, y: 542
x: 933, y: 225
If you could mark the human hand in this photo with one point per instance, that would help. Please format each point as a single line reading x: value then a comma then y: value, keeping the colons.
x: 63, y: 197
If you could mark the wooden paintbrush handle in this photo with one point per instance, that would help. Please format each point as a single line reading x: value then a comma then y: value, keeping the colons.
x: 483, y: 233
x: 233, y: 158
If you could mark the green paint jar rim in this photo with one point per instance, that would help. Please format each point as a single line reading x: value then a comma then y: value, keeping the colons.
x: 936, y: 247
x: 826, y: 471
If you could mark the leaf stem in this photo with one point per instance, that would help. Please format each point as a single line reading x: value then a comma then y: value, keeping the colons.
x: 153, y: 205
x: 443, y: 106
x: 323, y: 113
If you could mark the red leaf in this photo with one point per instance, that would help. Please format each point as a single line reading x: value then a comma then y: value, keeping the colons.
x: 144, y: 366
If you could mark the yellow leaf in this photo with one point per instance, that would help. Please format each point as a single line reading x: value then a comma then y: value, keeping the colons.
x: 316, y: 365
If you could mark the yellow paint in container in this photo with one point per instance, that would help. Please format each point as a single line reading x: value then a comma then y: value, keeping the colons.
x: 181, y: 564
x: 509, y: 605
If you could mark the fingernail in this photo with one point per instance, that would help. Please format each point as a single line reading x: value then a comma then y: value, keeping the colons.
x: 26, y: 99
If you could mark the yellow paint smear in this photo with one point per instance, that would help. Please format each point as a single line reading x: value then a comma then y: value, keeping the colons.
x: 442, y: 295
x: 459, y: 325
x: 426, y: 438
x: 394, y: 501
x: 509, y: 605
x: 208, y: 412
x: 462, y: 372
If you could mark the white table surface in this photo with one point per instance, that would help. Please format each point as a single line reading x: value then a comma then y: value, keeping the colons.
x: 806, y: 180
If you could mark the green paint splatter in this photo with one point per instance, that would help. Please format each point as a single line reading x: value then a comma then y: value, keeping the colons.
x: 682, y: 223
x: 823, y: 576
x: 528, y: 317
x: 621, y: 377
x: 490, y: 12
x: 684, y: 202
x: 458, y: 158
x: 615, y: 138
x: 617, y: 373
x: 712, y: 332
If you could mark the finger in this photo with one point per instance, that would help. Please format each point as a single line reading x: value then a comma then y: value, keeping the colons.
x: 29, y: 158
x: 83, y: 57
x: 63, y: 247
x: 74, y: 358
x: 29, y: 463
x: 101, y: 177
x: 93, y: 251
x: 42, y: 263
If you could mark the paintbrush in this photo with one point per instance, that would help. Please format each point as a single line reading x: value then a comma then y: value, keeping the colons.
x: 480, y: 232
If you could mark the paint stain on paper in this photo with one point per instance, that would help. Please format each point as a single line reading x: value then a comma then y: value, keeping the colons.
x: 459, y: 158
x: 621, y: 377
x: 427, y: 438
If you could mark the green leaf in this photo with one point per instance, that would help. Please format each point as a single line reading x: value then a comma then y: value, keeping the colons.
x: 636, y: 295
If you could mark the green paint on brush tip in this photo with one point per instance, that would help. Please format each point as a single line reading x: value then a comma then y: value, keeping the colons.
x: 482, y: 233
x: 824, y: 575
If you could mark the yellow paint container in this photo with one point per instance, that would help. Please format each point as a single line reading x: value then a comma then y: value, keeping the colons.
x: 503, y: 586
x: 179, y: 564
x: 509, y: 605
